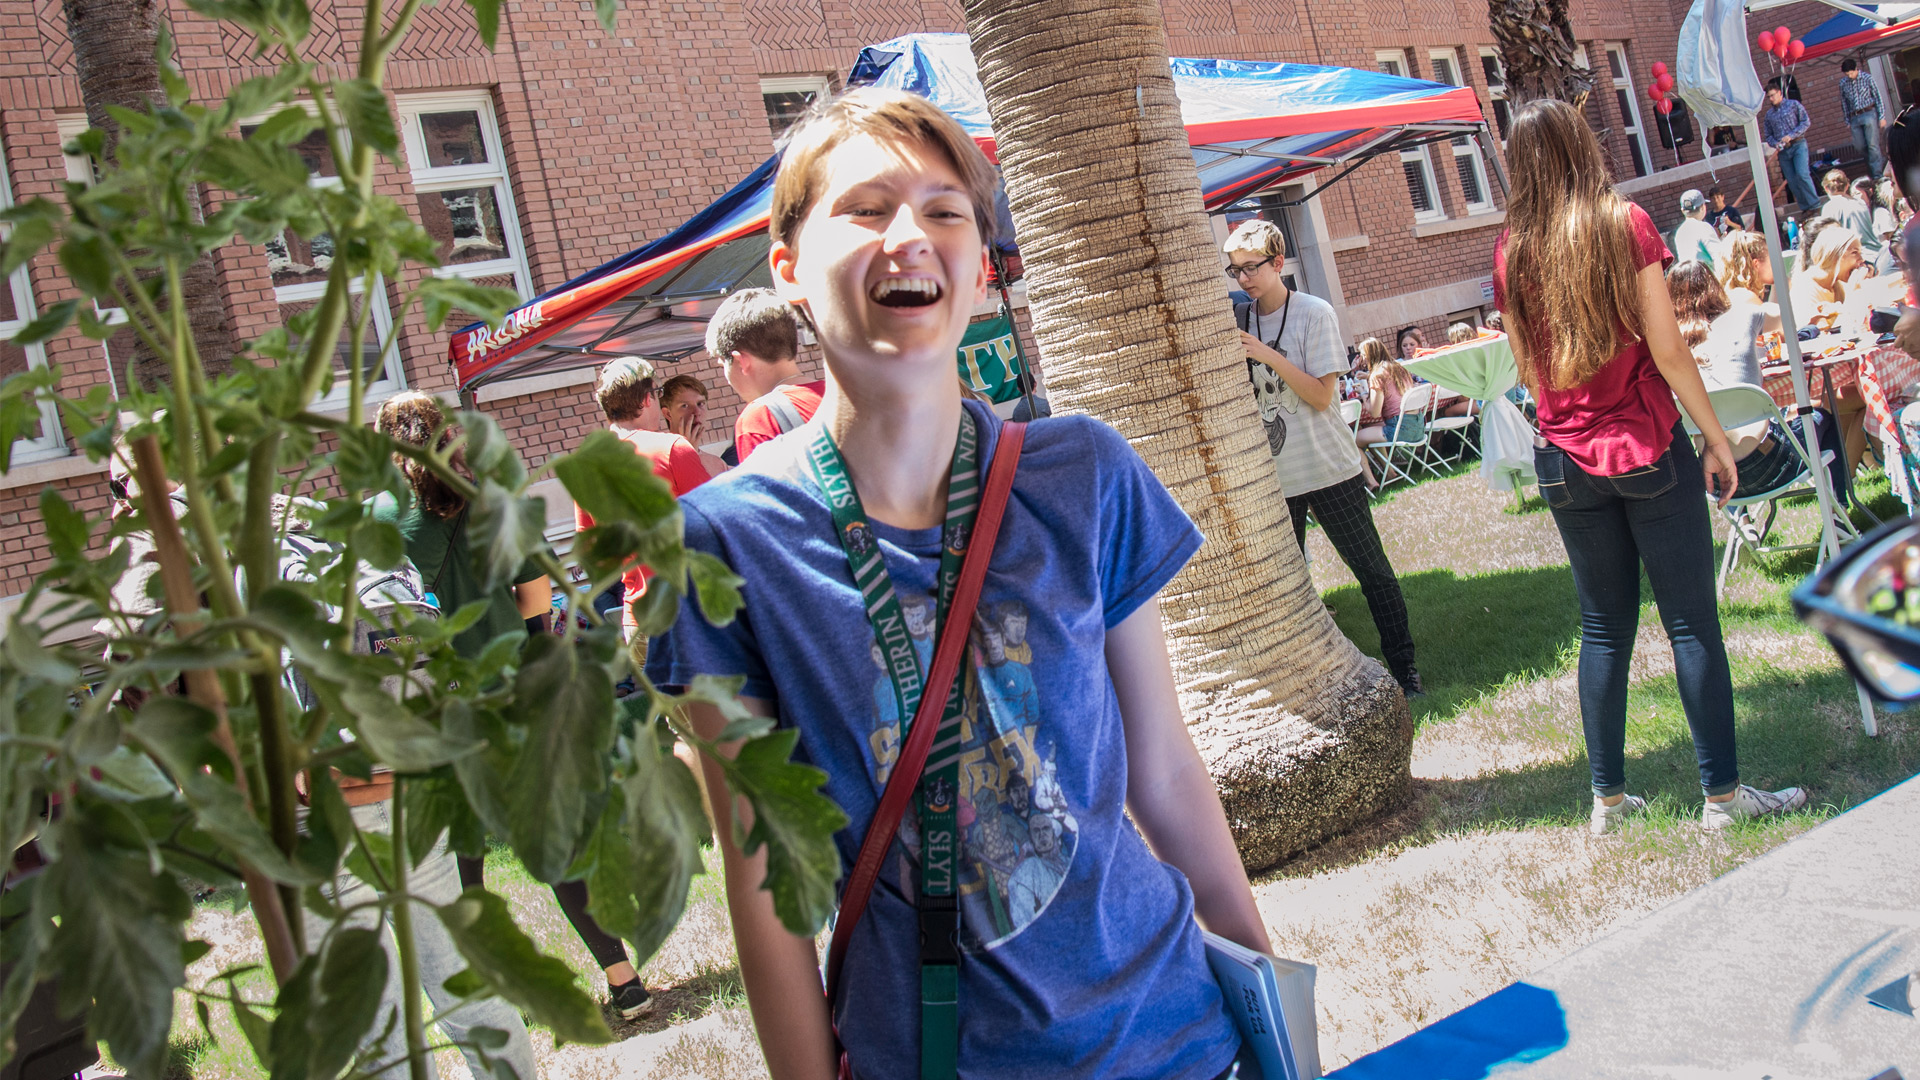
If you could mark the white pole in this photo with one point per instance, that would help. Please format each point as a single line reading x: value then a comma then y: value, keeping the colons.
x: 1790, y: 335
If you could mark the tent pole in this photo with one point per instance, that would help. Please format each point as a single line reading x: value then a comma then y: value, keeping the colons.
x: 1499, y: 170
x: 1790, y: 332
x: 1802, y: 400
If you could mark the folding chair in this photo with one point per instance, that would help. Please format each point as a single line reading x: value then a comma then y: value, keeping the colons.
x: 1738, y: 406
x: 1440, y: 425
x: 1350, y: 412
x: 1417, y: 402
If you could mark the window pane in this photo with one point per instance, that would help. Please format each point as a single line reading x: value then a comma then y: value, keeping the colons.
x: 293, y: 260
x: 786, y: 107
x: 1392, y: 67
x: 1443, y: 71
x: 1615, y: 64
x: 370, y: 349
x: 1469, y: 179
x: 1639, y: 155
x: 1417, y: 186
x: 1490, y: 65
x: 466, y: 223
x: 1626, y: 108
x: 9, y: 306
x: 1502, y: 117
x: 453, y: 138
x: 13, y: 361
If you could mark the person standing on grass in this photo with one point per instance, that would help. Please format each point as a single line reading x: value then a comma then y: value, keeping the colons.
x: 1295, y: 360
x: 1079, y: 954
x: 1578, y: 271
x: 756, y: 339
x: 434, y: 526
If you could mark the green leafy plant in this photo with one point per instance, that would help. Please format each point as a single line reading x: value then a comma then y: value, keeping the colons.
x: 205, y: 747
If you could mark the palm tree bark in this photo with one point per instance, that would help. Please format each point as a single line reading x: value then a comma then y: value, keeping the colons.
x: 113, y: 53
x: 1303, y: 734
x: 1536, y: 49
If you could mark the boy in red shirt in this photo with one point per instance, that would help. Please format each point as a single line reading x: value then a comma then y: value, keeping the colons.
x: 628, y: 398
x: 756, y: 339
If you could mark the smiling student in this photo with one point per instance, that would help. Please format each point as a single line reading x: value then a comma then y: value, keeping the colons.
x: 1078, y: 950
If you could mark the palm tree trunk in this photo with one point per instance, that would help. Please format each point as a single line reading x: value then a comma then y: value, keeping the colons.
x: 1536, y: 49
x: 113, y: 53
x: 1304, y: 735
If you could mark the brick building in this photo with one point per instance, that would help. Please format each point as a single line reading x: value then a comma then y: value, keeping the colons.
x: 567, y: 146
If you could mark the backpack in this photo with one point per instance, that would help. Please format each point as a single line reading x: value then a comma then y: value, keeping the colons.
x: 387, y: 599
x: 785, y: 413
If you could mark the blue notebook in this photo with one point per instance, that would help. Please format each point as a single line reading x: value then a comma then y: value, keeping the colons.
x: 1272, y: 1004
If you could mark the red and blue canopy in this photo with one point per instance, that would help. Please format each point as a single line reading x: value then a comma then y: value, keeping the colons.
x: 1849, y: 30
x: 1253, y: 125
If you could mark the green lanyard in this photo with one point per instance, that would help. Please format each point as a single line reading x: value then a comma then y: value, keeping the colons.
x: 940, y: 781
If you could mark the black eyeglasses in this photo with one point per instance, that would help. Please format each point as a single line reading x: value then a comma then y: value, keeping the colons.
x: 1867, y: 603
x: 1237, y: 271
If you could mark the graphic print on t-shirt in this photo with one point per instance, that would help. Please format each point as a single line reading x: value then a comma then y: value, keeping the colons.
x: 1276, y: 400
x: 1018, y: 835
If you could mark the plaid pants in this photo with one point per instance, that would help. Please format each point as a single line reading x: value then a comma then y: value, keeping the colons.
x: 1347, y: 518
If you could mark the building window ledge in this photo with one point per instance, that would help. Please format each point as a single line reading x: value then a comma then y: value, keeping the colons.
x: 1351, y: 243
x: 1454, y: 225
x: 45, y: 472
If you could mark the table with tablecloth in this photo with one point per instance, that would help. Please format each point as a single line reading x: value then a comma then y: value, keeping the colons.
x: 1483, y: 369
x: 1887, y: 380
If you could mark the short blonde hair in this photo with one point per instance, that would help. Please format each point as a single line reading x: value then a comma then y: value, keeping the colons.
x: 624, y: 387
x: 1459, y: 332
x: 1835, y: 182
x: 887, y: 116
x: 1258, y: 236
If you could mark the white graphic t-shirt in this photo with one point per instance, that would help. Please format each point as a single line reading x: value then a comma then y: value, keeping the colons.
x: 1311, y: 448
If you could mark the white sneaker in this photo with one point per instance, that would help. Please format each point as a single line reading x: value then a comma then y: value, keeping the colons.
x: 1750, y: 802
x: 1606, y: 818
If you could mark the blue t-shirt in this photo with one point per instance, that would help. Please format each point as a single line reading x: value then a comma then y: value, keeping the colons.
x: 1082, y: 956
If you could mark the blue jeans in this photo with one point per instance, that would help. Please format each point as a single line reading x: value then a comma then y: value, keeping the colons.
x: 1763, y: 470
x: 1866, y: 139
x: 1612, y: 526
x: 1793, y: 165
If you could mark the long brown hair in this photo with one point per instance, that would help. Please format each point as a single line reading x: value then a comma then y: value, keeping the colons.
x: 412, y: 418
x: 1572, y: 295
x: 1698, y: 299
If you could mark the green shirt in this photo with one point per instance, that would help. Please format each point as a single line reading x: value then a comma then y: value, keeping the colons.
x: 446, y: 570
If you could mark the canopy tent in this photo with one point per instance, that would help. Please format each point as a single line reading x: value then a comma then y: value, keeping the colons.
x: 1253, y: 126
x: 1716, y: 78
x: 1848, y: 30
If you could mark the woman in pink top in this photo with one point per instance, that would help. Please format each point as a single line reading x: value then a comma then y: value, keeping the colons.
x: 1579, y: 275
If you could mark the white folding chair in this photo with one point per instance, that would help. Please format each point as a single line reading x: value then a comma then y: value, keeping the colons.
x: 1440, y: 425
x: 1416, y: 402
x: 1735, y: 407
x: 1350, y: 411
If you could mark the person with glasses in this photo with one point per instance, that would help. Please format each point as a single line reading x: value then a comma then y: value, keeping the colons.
x: 1295, y: 360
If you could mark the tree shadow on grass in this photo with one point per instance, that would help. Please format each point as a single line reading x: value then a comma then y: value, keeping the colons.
x: 1471, y: 634
x: 1791, y: 728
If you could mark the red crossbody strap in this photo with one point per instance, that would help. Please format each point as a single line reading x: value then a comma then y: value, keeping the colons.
x: 947, y: 655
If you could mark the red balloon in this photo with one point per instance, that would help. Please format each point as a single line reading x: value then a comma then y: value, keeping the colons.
x: 1664, y: 106
x: 1665, y: 82
x: 1659, y: 68
x: 1795, y: 50
x: 1782, y: 35
x: 1654, y: 92
x: 1780, y: 49
x: 1766, y: 41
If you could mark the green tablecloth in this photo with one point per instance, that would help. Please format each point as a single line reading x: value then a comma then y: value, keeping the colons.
x: 1483, y: 369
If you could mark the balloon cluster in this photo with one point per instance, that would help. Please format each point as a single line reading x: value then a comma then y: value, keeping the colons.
x: 1782, y: 44
x: 1660, y: 86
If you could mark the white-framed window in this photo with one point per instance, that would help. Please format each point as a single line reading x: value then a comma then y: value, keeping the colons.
x: 1629, y: 103
x: 1496, y: 75
x: 788, y: 97
x: 42, y: 440
x: 1466, y: 153
x: 465, y: 198
x: 1416, y: 164
x: 82, y: 169
x: 299, y: 267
